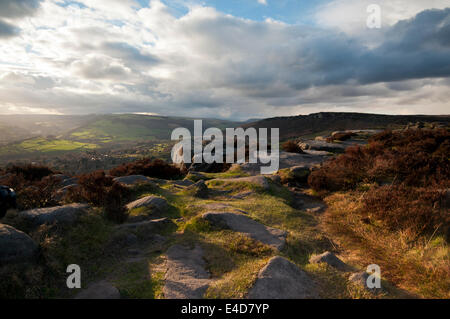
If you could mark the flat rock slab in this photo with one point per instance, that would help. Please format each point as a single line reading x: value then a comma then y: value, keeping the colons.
x: 220, y: 207
x: 281, y: 279
x: 15, y: 246
x: 67, y: 214
x: 150, y: 202
x: 243, y: 224
x: 99, y: 290
x: 330, y: 259
x: 133, y: 180
x: 322, y: 146
x: 186, y: 277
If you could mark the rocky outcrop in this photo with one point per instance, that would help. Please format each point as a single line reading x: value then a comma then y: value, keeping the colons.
x: 281, y: 279
x: 67, y: 214
x: 15, y: 246
x: 243, y: 224
x: 186, y: 277
x: 99, y: 290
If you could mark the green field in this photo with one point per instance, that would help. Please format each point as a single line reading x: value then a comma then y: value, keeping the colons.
x: 44, y: 145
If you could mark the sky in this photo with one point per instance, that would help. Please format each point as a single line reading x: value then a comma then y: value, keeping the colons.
x: 230, y: 59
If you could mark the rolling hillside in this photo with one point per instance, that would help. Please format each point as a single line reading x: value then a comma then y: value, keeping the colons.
x: 325, y: 122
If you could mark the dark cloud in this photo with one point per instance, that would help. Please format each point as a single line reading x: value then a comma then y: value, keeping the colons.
x: 13, y: 10
x: 413, y: 49
x: 128, y: 53
x: 18, y: 8
x: 7, y: 30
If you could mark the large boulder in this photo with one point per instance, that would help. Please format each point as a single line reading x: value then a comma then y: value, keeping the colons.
x: 152, y: 202
x: 281, y: 279
x: 300, y: 172
x: 15, y: 246
x: 99, y: 290
x: 243, y: 224
x: 186, y: 276
x: 67, y: 214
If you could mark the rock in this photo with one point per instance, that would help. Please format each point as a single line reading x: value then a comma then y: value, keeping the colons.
x: 287, y: 160
x: 15, y: 246
x: 186, y: 277
x: 281, y: 279
x: 322, y: 146
x: 199, y: 189
x: 300, y: 172
x: 67, y: 214
x: 243, y: 224
x: 152, y: 202
x: 360, y: 279
x: 330, y: 259
x: 99, y: 290
x: 133, y: 180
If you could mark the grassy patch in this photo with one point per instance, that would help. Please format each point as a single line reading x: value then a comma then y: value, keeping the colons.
x: 419, y: 265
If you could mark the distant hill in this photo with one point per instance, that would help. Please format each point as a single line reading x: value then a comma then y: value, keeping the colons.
x: 136, y: 127
x: 326, y: 122
x: 29, y: 137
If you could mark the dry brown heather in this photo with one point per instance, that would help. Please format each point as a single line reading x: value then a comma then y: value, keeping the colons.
x: 388, y: 204
x: 156, y: 168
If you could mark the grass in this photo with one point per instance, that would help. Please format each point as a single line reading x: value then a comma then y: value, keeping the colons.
x: 139, y: 280
x: 421, y: 267
x: 44, y: 145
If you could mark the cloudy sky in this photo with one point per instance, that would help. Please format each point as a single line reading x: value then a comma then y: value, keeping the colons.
x: 234, y: 59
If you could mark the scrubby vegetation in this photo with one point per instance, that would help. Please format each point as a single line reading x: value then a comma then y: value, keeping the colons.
x: 409, y: 170
x: 101, y: 191
x: 156, y: 168
x: 33, y: 185
x: 389, y: 200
